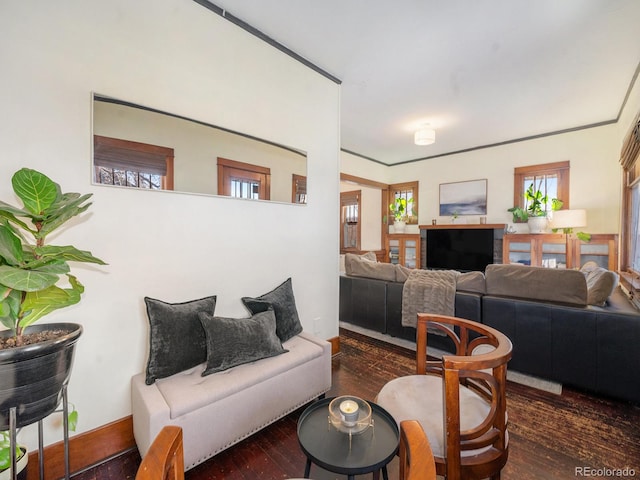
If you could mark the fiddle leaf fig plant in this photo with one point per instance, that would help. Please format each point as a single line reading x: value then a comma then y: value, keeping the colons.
x: 31, y: 272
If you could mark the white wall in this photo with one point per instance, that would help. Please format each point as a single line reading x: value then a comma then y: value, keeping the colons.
x: 629, y: 112
x: 370, y: 221
x: 176, y: 56
x: 595, y: 175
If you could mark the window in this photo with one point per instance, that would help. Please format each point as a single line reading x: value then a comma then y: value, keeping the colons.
x: 630, y: 244
x: 350, y: 221
x: 243, y: 180
x: 299, y: 189
x: 551, y: 178
x: 408, y: 191
x: 132, y: 164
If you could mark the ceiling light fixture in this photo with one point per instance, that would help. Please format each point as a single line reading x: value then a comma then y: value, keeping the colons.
x: 425, y: 135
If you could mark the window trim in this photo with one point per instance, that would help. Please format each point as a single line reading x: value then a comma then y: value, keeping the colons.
x: 118, y: 149
x: 561, y: 169
x: 413, y: 187
x: 630, y: 162
x: 251, y: 172
x: 298, y: 187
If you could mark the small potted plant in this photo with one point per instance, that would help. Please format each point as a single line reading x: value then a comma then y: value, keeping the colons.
x: 400, y: 211
x: 534, y: 212
x: 5, y: 458
x: 35, y: 280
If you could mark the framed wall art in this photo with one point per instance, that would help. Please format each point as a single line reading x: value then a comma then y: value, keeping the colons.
x: 463, y: 198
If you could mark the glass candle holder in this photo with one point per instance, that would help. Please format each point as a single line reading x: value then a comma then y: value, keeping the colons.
x: 350, y: 414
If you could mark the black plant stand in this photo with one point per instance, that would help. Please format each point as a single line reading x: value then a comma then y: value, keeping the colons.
x: 65, y: 428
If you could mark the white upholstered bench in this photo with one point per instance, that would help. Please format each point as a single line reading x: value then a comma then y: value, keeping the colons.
x: 218, y: 410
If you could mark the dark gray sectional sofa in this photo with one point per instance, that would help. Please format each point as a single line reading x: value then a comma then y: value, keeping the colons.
x: 560, y: 338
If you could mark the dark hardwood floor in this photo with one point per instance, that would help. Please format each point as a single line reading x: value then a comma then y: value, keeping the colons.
x: 566, y: 436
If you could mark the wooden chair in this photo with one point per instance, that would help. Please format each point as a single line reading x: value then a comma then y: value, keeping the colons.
x: 165, y: 458
x: 459, y: 400
x: 416, y: 458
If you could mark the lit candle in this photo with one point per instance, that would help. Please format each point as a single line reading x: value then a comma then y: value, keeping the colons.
x: 349, y: 411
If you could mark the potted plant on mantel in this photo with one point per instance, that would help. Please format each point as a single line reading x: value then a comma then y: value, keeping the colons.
x: 399, y: 210
x: 35, y: 279
x: 534, y: 213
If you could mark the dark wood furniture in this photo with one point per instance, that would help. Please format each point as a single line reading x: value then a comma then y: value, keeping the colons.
x: 564, y: 250
x: 416, y: 457
x: 403, y: 249
x: 465, y: 445
x: 165, y: 458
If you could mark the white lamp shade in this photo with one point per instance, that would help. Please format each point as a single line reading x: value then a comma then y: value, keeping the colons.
x: 568, y: 219
x: 425, y: 136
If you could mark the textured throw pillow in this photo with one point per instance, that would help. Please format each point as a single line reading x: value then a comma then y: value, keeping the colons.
x: 349, y: 259
x: 232, y: 342
x: 284, y: 305
x: 600, y: 285
x: 177, y: 340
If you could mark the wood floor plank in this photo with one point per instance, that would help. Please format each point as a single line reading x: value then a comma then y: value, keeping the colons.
x: 550, y: 436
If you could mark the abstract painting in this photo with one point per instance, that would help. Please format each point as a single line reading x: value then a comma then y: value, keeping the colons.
x: 463, y: 198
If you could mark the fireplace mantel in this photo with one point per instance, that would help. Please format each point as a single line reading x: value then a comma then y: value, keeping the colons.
x: 494, y: 226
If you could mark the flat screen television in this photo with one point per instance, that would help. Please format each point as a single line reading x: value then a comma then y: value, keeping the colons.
x: 463, y: 249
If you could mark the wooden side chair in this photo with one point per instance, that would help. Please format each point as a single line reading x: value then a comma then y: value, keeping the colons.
x: 165, y: 458
x: 459, y: 400
x: 416, y: 458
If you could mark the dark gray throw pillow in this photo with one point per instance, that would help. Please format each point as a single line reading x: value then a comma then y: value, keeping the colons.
x: 177, y: 339
x: 284, y: 304
x: 235, y: 341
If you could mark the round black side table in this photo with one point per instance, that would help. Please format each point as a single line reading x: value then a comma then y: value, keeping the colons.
x: 331, y: 449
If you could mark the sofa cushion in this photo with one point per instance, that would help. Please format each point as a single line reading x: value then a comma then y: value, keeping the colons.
x: 177, y: 340
x: 470, y: 282
x: 232, y: 342
x: 188, y: 391
x: 350, y: 257
x: 537, y: 283
x: 284, y: 305
x: 600, y: 283
x: 362, y: 267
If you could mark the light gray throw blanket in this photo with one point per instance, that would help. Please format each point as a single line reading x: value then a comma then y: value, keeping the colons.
x: 428, y: 291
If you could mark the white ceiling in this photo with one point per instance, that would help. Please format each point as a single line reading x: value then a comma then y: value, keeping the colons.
x: 480, y: 72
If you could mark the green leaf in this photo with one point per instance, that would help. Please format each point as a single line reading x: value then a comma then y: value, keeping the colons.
x: 10, y: 246
x: 67, y: 253
x: 585, y: 237
x: 73, y: 420
x: 12, y: 213
x: 67, y: 207
x: 36, y: 190
x: 5, y: 451
x: 26, y: 280
x: 49, y: 265
x: 38, y: 304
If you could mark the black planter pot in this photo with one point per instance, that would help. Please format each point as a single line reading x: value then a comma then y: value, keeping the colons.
x: 32, y: 377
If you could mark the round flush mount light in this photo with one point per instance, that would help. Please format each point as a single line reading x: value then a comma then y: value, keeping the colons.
x: 425, y: 135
